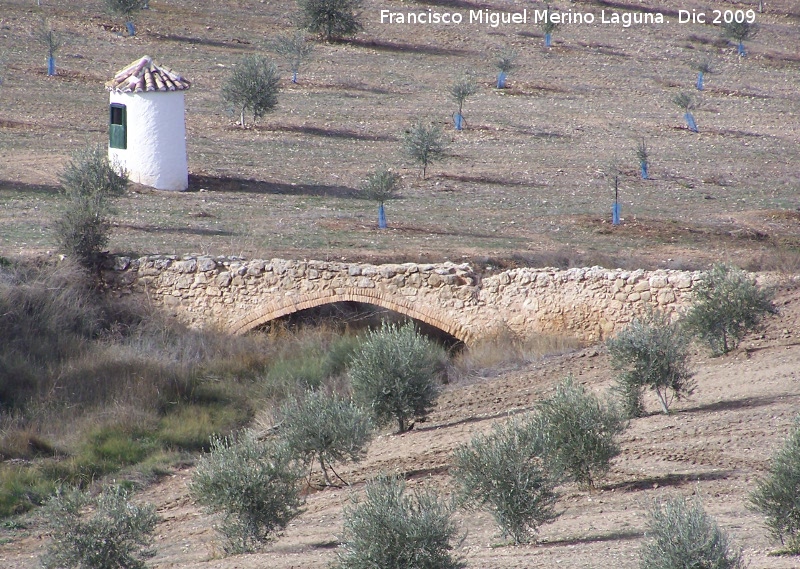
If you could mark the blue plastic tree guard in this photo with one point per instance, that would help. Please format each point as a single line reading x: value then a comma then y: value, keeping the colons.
x: 740, y: 50
x: 458, y: 119
x: 294, y: 76
x: 700, y: 80
x: 690, y: 122
x: 131, y: 29
x: 616, y: 209
x: 547, y: 40
x: 381, y: 217
x: 51, y: 65
x: 643, y: 166
x: 501, y: 80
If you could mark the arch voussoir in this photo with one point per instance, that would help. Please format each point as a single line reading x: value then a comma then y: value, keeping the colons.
x: 291, y: 304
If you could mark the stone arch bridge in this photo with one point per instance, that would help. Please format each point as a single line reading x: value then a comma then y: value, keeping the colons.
x: 239, y: 295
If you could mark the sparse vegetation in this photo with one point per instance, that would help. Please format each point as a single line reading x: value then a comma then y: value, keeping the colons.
x: 382, y: 185
x: 703, y: 68
x: 325, y: 428
x: 253, y: 485
x: 643, y: 156
x: 126, y: 9
x: 504, y: 63
x: 461, y: 89
x: 652, y: 353
x: 740, y: 32
x: 507, y: 473
x: 686, y: 103
x: 548, y: 27
x: 116, y: 534
x: 52, y: 41
x: 393, y: 529
x: 252, y: 85
x: 295, y: 49
x: 331, y: 18
x: 88, y: 181
x: 395, y: 374
x: 681, y: 534
x: 775, y: 495
x: 580, y: 432
x: 424, y: 144
x: 727, y: 305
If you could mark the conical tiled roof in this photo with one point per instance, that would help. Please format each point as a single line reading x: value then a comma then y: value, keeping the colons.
x: 144, y: 75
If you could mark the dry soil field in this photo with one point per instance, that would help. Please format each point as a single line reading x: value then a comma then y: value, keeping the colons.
x: 527, y: 175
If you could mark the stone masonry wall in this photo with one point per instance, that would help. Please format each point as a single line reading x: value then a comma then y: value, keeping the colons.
x: 238, y: 295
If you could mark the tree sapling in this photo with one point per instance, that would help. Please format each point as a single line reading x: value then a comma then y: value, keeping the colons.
x: 504, y: 63
x: 687, y: 103
x: 463, y: 88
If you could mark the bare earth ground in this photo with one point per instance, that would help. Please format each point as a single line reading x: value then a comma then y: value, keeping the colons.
x: 526, y: 176
x: 715, y: 444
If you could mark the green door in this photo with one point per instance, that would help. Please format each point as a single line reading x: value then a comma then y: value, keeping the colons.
x: 117, y: 126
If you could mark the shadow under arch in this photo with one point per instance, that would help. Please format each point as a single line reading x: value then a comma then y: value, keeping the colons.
x: 289, y: 305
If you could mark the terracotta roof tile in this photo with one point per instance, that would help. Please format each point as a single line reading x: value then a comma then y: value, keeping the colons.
x: 146, y: 75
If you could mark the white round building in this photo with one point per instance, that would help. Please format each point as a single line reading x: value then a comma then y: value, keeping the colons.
x: 147, y: 131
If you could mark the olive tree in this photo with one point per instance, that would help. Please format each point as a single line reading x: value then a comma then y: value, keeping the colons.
x: 462, y: 88
x: 424, y: 144
x: 391, y: 528
x: 52, y: 42
x: 727, y: 305
x: 680, y: 534
x: 776, y: 494
x: 380, y: 186
x: 253, y: 485
x: 295, y: 49
x: 331, y: 18
x: 652, y: 353
x: 507, y: 473
x: 581, y: 431
x: 253, y: 86
x: 395, y: 374
x: 325, y: 428
x: 126, y: 9
x: 116, y: 533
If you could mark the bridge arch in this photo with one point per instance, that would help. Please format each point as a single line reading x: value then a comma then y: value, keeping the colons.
x: 295, y: 303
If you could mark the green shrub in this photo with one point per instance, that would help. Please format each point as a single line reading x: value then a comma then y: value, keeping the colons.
x: 681, y: 535
x: 776, y: 495
x: 651, y: 353
x: 253, y: 485
x: 88, y: 181
x: 117, y: 533
x: 326, y: 428
x: 424, y: 144
x: 507, y: 473
x: 580, y: 432
x: 331, y: 18
x: 252, y: 85
x: 391, y: 529
x: 727, y: 305
x: 395, y: 374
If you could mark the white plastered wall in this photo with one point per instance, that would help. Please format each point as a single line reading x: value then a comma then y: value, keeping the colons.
x: 156, y: 132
